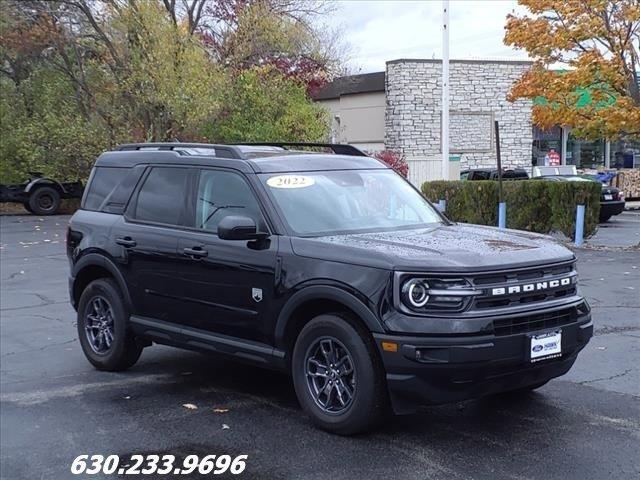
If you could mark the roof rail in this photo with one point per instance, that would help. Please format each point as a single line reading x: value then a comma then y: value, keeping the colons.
x: 337, y: 148
x: 224, y: 151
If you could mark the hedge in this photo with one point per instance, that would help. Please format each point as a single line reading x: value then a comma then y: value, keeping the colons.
x: 533, y: 205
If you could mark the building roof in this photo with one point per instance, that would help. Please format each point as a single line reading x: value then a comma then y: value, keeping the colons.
x: 469, y: 61
x: 362, y: 83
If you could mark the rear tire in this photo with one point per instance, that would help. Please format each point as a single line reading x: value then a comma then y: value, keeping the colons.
x: 355, y: 402
x: 103, y: 328
x: 604, y: 218
x: 27, y: 207
x: 44, y: 201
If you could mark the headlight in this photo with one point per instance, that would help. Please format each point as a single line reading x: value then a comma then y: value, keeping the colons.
x: 417, y: 292
x: 427, y: 294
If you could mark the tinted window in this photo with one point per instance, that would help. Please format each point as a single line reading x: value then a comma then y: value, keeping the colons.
x: 221, y: 194
x: 162, y: 196
x: 104, y: 181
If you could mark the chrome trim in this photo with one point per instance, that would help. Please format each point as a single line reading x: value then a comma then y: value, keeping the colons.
x: 454, y: 293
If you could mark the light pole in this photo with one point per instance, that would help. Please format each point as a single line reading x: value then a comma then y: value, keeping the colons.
x: 445, y: 90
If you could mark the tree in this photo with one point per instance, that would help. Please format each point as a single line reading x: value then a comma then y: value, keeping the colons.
x: 80, y: 76
x: 262, y: 104
x: 594, y: 46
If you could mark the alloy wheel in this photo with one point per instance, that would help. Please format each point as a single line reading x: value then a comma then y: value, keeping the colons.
x: 99, y: 325
x: 330, y: 374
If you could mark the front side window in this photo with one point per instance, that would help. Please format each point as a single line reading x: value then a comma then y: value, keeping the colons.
x: 348, y: 201
x: 162, y: 196
x: 221, y: 194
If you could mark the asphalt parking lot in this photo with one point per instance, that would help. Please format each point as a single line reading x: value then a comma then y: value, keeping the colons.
x: 55, y: 406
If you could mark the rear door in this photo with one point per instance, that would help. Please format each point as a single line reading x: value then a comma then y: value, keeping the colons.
x: 225, y: 286
x: 148, y: 237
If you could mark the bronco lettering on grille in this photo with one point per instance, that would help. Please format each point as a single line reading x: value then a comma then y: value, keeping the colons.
x: 532, y: 287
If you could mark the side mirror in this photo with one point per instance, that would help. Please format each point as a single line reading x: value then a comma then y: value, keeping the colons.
x: 235, y: 227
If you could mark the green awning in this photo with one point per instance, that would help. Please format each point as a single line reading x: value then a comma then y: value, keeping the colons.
x: 585, y: 95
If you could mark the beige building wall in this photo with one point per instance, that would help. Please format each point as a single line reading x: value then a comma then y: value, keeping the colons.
x: 358, y: 119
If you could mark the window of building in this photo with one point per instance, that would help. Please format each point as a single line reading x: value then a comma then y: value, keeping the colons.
x: 221, y: 194
x: 585, y: 153
x: 162, y: 196
x: 625, y: 154
x: 547, y: 146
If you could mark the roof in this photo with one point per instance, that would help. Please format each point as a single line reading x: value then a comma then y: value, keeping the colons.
x: 246, y: 158
x: 352, y: 84
x: 468, y: 61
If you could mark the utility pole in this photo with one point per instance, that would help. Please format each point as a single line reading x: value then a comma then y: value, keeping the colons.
x: 445, y: 90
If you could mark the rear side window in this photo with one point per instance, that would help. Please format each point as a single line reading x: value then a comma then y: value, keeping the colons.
x: 104, y: 181
x: 162, y: 196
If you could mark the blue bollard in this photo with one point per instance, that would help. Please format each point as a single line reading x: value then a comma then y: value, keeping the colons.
x: 502, y: 215
x: 442, y: 205
x: 579, y: 225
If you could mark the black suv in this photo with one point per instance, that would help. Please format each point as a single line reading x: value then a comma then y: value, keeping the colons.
x: 329, y: 266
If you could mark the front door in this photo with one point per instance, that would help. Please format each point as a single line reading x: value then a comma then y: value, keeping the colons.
x: 226, y: 286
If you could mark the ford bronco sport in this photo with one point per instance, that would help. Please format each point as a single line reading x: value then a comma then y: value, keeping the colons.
x: 329, y: 266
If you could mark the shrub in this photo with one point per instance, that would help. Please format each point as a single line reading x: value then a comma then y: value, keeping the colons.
x: 395, y: 160
x: 533, y: 205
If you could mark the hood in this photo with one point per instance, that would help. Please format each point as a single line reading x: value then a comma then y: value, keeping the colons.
x: 457, y: 247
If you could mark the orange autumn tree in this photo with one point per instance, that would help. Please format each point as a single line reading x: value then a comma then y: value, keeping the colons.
x: 586, y: 64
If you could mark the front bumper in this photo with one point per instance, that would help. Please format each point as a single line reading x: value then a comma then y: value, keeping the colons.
x: 455, y: 368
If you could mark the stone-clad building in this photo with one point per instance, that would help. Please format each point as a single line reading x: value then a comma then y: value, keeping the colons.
x: 413, y: 116
x: 400, y: 109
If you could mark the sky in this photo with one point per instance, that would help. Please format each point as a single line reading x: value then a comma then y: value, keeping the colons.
x: 377, y: 31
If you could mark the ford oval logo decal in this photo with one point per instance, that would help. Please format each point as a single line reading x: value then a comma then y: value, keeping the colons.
x: 536, y: 348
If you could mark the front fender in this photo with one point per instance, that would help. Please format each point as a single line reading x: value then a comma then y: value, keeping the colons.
x: 324, y: 292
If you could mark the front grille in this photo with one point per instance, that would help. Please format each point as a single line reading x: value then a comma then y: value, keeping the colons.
x: 505, y: 280
x: 534, y: 322
x: 522, y: 299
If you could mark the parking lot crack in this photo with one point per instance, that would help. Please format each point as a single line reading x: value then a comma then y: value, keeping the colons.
x: 606, y: 330
x: 38, y: 349
x: 585, y: 382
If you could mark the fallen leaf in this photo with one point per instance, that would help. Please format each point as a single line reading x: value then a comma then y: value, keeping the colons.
x: 601, y: 348
x: 225, y: 426
x: 221, y: 410
x: 190, y: 406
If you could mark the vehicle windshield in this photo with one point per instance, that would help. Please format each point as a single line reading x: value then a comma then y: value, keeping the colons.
x: 348, y: 201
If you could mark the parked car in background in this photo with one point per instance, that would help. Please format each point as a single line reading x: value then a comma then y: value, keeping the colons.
x: 492, y: 174
x: 611, y: 199
x: 40, y: 195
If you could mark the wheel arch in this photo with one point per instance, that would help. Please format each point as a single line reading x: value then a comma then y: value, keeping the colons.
x: 44, y: 182
x: 91, y: 267
x: 315, y: 300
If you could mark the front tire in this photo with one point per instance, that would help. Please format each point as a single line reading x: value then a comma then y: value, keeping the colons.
x: 338, y: 376
x: 103, y: 327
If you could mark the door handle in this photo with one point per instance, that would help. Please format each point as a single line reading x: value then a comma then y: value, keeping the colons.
x: 126, y: 242
x: 195, y: 252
